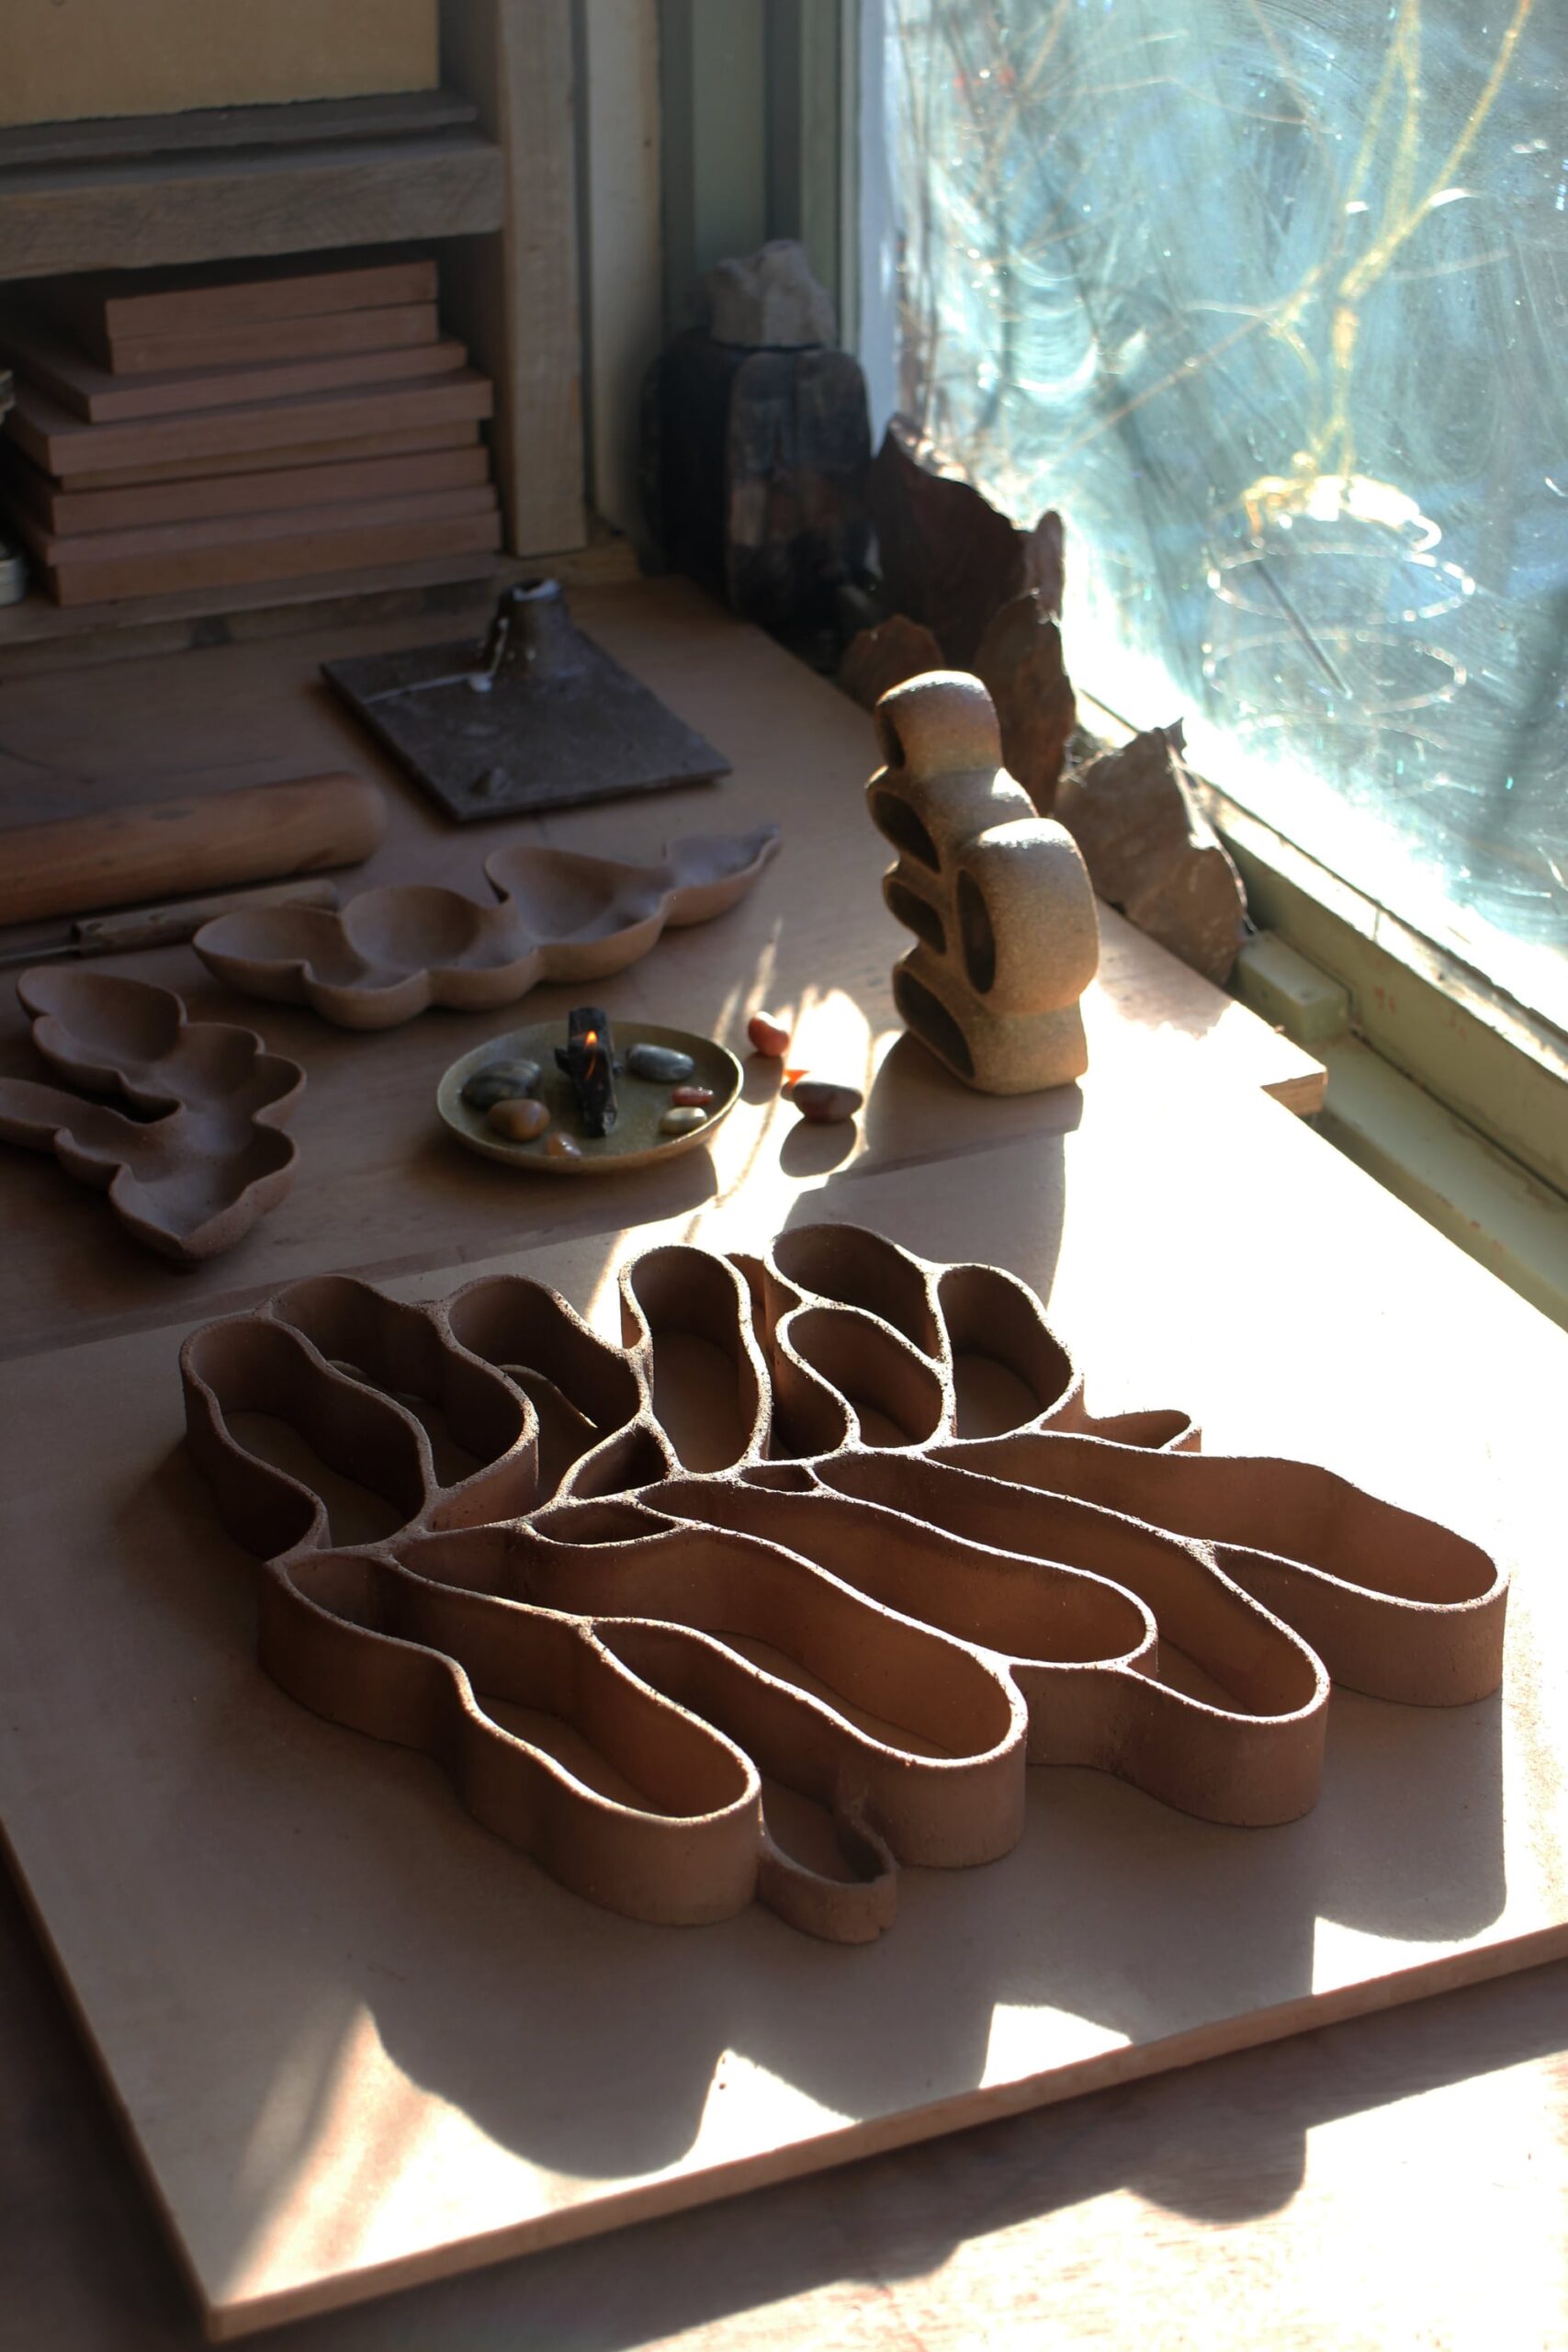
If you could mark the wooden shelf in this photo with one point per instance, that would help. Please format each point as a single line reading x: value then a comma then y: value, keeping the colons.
x: 143, y: 213
x: 38, y: 634
x: 397, y: 114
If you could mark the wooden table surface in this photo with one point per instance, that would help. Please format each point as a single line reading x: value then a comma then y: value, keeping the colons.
x: 1396, y: 2180
x: 380, y: 1187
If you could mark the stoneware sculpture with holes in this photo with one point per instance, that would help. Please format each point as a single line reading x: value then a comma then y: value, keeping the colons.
x: 998, y: 897
x: 791, y: 1587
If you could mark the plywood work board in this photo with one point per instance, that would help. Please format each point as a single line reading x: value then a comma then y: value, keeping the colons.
x: 100, y: 308
x: 814, y: 940
x: 292, y: 553
x: 358, y: 2043
x: 344, y: 448
x: 274, y: 491
x: 265, y: 340
x: 74, y: 58
x: 65, y: 445
x: 103, y: 397
x: 320, y: 516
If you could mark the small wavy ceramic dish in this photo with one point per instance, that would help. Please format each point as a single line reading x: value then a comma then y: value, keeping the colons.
x: 633, y: 1142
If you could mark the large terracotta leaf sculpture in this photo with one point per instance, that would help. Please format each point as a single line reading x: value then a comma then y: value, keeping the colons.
x: 793, y: 1586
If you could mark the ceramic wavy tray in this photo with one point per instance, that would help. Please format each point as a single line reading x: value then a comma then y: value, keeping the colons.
x: 561, y: 916
x: 197, y: 1156
x: 791, y: 1587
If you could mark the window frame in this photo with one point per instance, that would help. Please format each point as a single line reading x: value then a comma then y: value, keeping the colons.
x: 816, y: 167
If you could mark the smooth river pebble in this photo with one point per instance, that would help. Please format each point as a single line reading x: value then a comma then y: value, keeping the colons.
x: 562, y: 1148
x: 682, y: 1120
x: 685, y: 1095
x: 824, y: 1104
x: 519, y: 1118
x: 500, y: 1082
x: 769, y: 1036
x: 661, y: 1063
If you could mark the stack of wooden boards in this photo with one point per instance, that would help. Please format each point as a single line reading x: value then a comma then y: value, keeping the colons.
x: 198, y: 429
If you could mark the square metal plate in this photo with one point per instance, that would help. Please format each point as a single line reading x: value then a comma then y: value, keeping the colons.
x: 492, y: 735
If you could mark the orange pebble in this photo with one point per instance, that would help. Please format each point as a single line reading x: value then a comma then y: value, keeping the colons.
x: 684, y: 1097
x: 519, y: 1118
x: 768, y: 1035
x: 561, y: 1147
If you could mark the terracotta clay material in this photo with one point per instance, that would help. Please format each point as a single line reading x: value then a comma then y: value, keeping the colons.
x: 790, y: 1588
x: 197, y: 1154
x: 562, y: 915
x: 998, y: 897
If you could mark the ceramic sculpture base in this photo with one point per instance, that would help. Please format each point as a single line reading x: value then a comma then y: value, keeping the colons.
x: 358, y: 2042
x: 998, y: 898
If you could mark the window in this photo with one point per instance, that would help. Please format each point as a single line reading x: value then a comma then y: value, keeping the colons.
x: 1272, y: 301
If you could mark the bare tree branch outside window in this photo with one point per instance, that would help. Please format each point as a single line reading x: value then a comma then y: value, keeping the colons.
x: 1272, y: 300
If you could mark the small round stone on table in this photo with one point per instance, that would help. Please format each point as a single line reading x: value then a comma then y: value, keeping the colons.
x: 823, y: 1103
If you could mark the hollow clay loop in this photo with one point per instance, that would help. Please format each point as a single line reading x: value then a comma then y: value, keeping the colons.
x: 1242, y: 1771
x: 1016, y: 1606
x: 939, y: 1810
x: 1057, y: 1630
x: 809, y: 1416
x: 1157, y: 1429
x: 945, y: 1810
x: 255, y: 1363
x: 943, y: 722
x: 1263, y: 1667
x: 1254, y: 1760
x: 1018, y: 959
x: 681, y: 1289
x: 817, y: 1906
x: 896, y: 1395
x: 528, y: 1332
x: 401, y: 1350
x: 990, y: 1314
x: 262, y: 1507
x: 909, y: 1676
x: 848, y: 1265
x: 1395, y: 1605
x: 355, y: 1639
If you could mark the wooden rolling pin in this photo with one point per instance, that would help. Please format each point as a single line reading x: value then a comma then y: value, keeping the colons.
x: 167, y: 849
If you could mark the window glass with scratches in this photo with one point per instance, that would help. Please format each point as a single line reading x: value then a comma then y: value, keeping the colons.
x: 1272, y: 302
